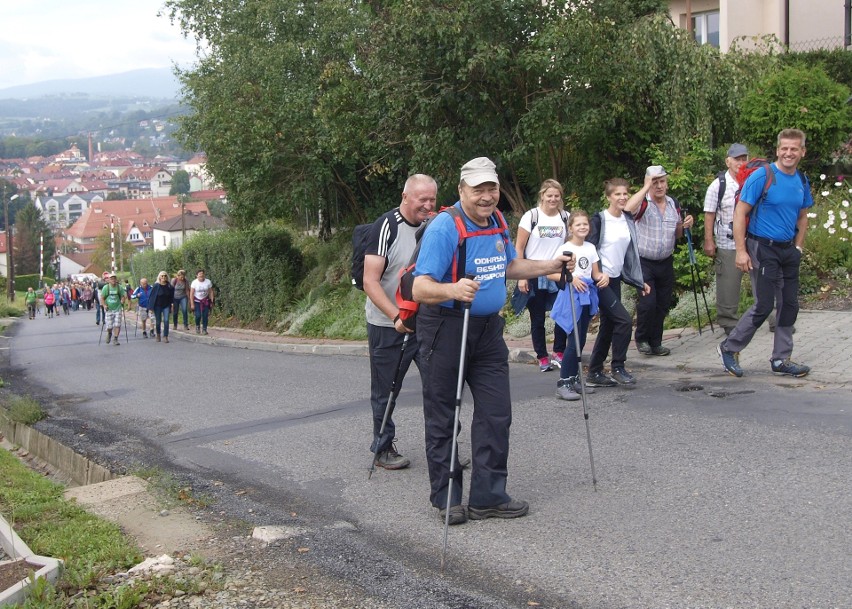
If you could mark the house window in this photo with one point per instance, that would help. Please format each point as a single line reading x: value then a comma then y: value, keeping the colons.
x: 705, y: 27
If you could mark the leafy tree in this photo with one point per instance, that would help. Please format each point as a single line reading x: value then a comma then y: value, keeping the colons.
x: 29, y: 228
x: 802, y: 98
x: 254, y: 95
x: 314, y: 109
x: 102, y: 255
x: 180, y: 183
x: 116, y: 196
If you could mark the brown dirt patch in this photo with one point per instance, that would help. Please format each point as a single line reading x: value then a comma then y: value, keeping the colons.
x: 13, y: 572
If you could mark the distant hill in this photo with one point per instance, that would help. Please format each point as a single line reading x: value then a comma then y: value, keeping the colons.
x: 152, y: 83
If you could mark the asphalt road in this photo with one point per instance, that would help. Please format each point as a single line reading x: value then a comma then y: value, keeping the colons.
x: 712, y: 492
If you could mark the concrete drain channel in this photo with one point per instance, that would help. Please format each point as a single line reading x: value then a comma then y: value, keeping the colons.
x: 14, y: 551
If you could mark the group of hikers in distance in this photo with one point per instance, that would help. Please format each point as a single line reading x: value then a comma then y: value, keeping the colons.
x: 572, y: 263
x: 164, y: 300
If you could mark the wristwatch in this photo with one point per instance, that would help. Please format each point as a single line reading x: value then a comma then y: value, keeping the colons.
x: 799, y: 247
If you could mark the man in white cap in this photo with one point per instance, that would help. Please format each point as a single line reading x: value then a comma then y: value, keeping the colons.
x: 443, y: 290
x: 658, y: 225
x: 719, y: 237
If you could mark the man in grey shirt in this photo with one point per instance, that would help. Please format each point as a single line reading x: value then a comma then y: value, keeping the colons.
x: 392, y: 242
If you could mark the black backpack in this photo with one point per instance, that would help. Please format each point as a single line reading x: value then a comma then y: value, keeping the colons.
x: 360, y: 241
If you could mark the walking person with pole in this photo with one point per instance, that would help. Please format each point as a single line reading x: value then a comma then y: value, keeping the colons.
x: 719, y: 237
x: 112, y: 299
x: 444, y: 291
x: 391, y: 243
x: 580, y: 294
x: 141, y: 295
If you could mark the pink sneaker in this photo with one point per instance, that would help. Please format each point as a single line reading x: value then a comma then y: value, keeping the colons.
x: 544, y: 364
x: 556, y: 359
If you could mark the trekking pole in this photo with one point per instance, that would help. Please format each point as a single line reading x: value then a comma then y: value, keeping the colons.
x: 101, y: 334
x: 694, y: 264
x: 136, y: 326
x: 453, y: 451
x: 566, y: 279
x: 126, y: 333
x: 394, y: 393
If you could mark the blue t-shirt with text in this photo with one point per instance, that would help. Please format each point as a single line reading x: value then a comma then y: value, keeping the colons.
x: 776, y: 216
x: 487, y: 259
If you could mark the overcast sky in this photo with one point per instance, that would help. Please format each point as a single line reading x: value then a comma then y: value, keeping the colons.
x: 51, y: 39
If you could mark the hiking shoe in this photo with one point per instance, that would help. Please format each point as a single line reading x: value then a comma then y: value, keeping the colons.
x: 660, y: 350
x: 158, y: 338
x: 144, y: 334
x: 730, y: 361
x: 643, y: 347
x: 457, y: 515
x: 116, y: 343
x: 204, y: 332
x: 390, y: 459
x: 565, y: 391
x: 599, y: 379
x: 198, y: 330
x: 513, y: 509
x: 574, y: 381
x: 785, y: 366
x: 556, y: 359
x: 186, y: 328
x: 544, y: 364
x: 165, y: 339
x: 622, y: 376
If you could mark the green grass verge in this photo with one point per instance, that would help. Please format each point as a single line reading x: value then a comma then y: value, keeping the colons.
x: 52, y: 526
x: 23, y: 409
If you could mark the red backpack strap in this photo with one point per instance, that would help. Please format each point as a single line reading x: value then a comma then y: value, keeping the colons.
x: 459, y: 256
x: 641, y: 211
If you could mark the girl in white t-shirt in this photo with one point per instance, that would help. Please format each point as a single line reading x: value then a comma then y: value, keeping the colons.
x: 586, y: 280
x: 541, y: 233
x: 614, y: 234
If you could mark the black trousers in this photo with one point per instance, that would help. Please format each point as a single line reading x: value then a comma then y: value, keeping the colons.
x: 651, y: 310
x: 615, y: 328
x: 486, y: 373
x: 385, y: 345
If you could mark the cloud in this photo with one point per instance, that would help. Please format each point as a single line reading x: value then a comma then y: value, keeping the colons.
x: 86, y: 38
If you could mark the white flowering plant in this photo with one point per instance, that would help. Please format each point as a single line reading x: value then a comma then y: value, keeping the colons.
x: 828, y: 246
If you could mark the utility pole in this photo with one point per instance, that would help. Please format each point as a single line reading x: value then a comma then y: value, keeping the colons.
x: 10, y: 260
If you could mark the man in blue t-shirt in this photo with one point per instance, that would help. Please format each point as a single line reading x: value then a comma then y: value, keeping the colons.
x: 491, y: 259
x: 769, y: 247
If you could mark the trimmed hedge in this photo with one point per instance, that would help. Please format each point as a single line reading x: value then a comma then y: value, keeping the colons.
x: 25, y: 282
x: 255, y: 272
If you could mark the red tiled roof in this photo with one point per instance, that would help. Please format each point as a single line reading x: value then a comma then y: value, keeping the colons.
x: 132, y: 212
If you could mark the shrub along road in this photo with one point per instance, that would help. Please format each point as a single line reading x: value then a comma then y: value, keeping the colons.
x: 731, y: 495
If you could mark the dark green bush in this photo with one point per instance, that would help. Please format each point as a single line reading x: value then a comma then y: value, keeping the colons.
x: 801, y: 98
x: 25, y: 282
x: 256, y: 272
